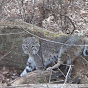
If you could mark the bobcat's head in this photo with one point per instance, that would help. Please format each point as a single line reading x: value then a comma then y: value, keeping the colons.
x: 31, y: 45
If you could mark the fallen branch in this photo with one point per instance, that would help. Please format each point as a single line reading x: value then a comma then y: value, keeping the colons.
x: 49, y: 86
x: 35, y: 77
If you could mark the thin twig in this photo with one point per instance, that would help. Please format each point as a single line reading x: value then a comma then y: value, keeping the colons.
x: 41, y: 60
x: 57, y: 81
x: 5, y: 54
x: 50, y: 76
x: 66, y: 77
x: 84, y: 59
x: 66, y: 64
x: 61, y: 72
x: 12, y: 33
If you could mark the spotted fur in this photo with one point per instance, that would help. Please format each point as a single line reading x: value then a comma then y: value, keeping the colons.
x: 51, y: 54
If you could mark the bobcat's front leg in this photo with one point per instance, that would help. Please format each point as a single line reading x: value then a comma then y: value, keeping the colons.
x: 55, y: 66
x: 26, y: 70
x: 59, y: 60
x: 29, y: 67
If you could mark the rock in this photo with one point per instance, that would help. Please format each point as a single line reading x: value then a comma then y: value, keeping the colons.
x: 11, y: 53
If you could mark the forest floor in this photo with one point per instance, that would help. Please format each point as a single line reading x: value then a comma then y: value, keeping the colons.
x: 76, y: 18
x: 79, y: 74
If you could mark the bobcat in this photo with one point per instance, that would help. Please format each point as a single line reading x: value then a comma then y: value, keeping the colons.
x: 44, y: 54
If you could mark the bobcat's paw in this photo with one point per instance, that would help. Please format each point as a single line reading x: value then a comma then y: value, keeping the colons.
x: 26, y: 70
x: 49, y: 69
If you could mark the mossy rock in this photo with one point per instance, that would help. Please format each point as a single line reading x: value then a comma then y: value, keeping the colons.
x: 11, y: 41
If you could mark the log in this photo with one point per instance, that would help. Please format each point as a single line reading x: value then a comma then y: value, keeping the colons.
x: 32, y: 28
x: 50, y: 86
x: 35, y: 77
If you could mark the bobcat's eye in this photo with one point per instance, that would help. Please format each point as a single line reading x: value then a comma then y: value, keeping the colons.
x: 26, y: 46
x: 32, y: 46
